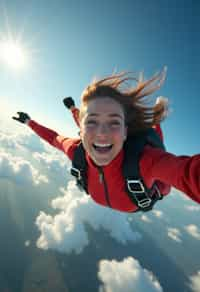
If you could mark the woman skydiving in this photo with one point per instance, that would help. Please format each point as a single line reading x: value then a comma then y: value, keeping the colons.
x: 120, y: 159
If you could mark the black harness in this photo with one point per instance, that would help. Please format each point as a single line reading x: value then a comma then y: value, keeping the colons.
x: 143, y: 197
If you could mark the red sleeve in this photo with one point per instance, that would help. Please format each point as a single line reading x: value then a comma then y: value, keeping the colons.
x: 44, y: 133
x: 67, y: 145
x: 159, y: 131
x: 75, y: 113
x: 181, y: 172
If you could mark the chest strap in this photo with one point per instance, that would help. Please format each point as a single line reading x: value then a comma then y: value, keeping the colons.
x: 141, y: 196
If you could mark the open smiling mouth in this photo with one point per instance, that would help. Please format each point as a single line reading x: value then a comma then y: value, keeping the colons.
x: 102, y: 148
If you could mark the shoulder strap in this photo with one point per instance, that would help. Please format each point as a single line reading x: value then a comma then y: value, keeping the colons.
x: 79, y: 167
x: 143, y: 197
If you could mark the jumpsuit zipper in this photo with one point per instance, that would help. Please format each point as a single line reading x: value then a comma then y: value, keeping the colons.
x: 102, y: 180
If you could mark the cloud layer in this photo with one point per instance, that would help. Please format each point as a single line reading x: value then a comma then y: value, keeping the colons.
x: 66, y: 230
x: 19, y: 170
x: 126, y: 276
x: 34, y: 166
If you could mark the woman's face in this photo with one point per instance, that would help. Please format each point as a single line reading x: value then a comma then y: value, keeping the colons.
x: 103, y: 130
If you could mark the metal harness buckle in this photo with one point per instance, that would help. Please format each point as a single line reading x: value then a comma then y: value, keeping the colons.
x: 138, y: 191
x: 76, y: 172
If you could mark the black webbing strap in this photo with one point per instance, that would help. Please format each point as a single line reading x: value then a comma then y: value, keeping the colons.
x: 79, y: 168
x: 141, y: 196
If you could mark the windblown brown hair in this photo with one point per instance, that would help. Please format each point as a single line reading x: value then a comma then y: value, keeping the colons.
x: 139, y: 112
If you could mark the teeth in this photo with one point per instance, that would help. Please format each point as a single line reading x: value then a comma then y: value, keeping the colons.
x: 102, y: 145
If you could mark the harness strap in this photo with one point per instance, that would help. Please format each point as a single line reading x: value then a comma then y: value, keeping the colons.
x: 139, y: 194
x: 79, y: 168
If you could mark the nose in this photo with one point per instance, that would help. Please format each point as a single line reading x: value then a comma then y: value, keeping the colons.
x: 103, y: 130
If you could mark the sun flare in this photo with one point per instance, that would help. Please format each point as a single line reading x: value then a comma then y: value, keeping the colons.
x: 13, y: 54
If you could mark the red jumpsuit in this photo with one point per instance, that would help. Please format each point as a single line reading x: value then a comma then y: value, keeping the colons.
x: 181, y: 172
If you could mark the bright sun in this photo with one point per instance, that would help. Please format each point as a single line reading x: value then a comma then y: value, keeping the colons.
x: 13, y: 54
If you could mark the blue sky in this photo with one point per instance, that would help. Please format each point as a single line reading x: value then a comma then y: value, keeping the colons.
x: 70, y: 42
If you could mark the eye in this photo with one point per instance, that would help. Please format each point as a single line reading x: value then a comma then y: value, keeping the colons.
x: 91, y: 122
x: 115, y: 123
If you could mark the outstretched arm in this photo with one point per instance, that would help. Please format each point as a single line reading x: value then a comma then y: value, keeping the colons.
x: 70, y: 104
x: 44, y: 133
x: 62, y: 143
x: 181, y: 172
x: 75, y: 113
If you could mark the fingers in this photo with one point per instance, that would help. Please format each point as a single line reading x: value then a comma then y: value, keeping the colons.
x: 15, y: 118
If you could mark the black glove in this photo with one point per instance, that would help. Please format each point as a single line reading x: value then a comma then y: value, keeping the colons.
x: 68, y: 102
x: 22, y: 117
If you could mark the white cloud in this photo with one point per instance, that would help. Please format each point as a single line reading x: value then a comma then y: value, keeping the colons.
x: 149, y: 218
x: 126, y: 276
x: 53, y: 162
x: 32, y: 142
x: 195, y: 282
x: 8, y: 141
x: 157, y: 213
x: 27, y: 243
x: 145, y: 218
x: 17, y: 139
x: 19, y: 170
x: 193, y: 230
x: 174, y: 234
x: 192, y: 208
x: 66, y: 231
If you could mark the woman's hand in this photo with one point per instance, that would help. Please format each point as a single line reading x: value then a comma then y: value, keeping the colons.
x: 22, y: 117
